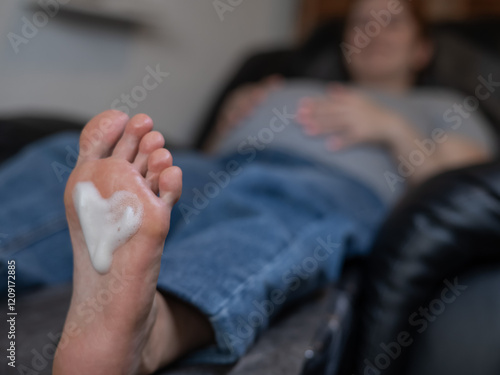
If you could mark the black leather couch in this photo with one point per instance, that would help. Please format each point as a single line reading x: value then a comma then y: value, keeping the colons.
x: 431, y: 298
x: 444, y: 233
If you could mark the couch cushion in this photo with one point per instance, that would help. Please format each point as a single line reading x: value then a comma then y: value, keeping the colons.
x: 279, y: 351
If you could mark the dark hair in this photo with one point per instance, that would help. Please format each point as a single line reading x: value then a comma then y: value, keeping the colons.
x: 417, y: 10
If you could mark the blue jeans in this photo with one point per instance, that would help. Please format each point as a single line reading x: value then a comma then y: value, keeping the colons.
x: 247, y: 238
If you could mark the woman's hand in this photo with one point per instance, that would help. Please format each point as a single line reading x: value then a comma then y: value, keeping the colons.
x: 243, y: 101
x: 346, y: 118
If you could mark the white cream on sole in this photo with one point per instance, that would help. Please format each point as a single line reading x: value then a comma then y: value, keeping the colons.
x: 106, y: 223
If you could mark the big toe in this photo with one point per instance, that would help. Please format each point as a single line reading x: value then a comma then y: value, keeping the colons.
x: 101, y: 134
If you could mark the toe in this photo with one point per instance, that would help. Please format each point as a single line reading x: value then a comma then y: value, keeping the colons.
x: 101, y: 134
x: 170, y: 184
x: 149, y: 143
x: 128, y: 145
x: 158, y: 161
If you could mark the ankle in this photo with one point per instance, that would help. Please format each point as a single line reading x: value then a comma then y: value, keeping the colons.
x: 178, y: 329
x: 194, y: 329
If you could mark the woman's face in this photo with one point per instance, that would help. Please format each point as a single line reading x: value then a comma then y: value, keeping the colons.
x: 387, y: 41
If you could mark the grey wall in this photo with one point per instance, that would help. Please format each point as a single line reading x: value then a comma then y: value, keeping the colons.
x: 77, y: 66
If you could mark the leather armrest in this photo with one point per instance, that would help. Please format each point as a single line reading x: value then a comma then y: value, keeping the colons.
x: 441, y: 229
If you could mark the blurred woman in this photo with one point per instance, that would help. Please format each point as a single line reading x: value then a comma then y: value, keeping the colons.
x: 379, y: 127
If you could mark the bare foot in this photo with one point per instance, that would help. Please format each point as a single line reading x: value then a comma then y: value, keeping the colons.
x: 117, y: 321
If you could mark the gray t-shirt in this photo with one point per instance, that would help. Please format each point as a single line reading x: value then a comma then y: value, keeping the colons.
x: 433, y: 112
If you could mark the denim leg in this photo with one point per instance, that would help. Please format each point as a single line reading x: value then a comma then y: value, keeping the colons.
x: 273, y: 235
x: 196, y: 169
x: 33, y: 228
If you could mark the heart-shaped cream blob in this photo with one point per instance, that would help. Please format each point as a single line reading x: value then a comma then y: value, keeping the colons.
x: 106, y: 223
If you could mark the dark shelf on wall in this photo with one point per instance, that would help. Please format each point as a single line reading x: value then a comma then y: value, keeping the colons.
x: 115, y: 13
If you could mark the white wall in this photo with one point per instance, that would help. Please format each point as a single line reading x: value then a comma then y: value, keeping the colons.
x: 77, y: 68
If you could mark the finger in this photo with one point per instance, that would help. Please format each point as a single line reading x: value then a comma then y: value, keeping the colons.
x: 341, y: 94
x: 306, y: 114
x: 336, y: 87
x: 326, y: 110
x: 319, y: 116
x: 305, y: 107
x: 327, y: 125
x: 338, y: 142
x: 333, y: 123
